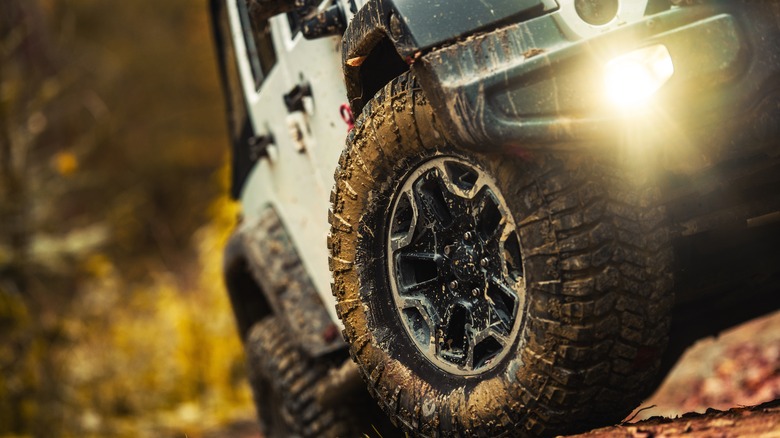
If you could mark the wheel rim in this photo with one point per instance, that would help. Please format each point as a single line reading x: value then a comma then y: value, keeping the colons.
x: 455, y: 265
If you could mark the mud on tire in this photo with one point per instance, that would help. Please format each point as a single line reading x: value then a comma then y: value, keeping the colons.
x: 592, y: 314
x: 283, y: 383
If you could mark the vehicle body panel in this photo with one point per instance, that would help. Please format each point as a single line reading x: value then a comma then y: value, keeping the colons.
x: 431, y: 22
x: 528, y: 85
x: 295, y: 176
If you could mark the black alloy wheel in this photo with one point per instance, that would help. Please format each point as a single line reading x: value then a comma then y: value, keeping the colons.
x: 455, y: 261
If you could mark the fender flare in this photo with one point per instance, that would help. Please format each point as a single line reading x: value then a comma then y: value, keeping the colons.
x: 264, y: 275
x: 412, y: 27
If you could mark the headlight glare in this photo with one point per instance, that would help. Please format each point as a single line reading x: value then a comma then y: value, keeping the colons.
x: 632, y: 79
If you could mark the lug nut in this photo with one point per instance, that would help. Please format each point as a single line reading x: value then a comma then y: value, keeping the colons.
x: 453, y: 284
x: 475, y: 291
x: 447, y: 249
x: 484, y: 262
x: 467, y: 236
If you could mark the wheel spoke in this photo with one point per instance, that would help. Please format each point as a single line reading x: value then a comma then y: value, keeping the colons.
x: 414, y: 269
x: 491, y: 333
x: 461, y: 180
x: 456, y: 333
x: 420, y: 320
x: 503, y: 303
x: 404, y: 222
x: 490, y: 221
x: 486, y: 346
x: 431, y: 200
x: 423, y: 241
x: 513, y: 260
x: 429, y: 286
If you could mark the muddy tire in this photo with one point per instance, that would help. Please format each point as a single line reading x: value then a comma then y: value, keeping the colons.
x: 560, y: 328
x: 283, y: 383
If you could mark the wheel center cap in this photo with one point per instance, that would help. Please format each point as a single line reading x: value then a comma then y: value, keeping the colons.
x: 465, y: 262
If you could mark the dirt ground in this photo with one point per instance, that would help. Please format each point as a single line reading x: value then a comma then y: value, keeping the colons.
x: 724, y: 387
x: 739, y: 368
x: 759, y: 421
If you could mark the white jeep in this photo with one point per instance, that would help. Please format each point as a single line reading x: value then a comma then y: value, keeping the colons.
x: 537, y: 206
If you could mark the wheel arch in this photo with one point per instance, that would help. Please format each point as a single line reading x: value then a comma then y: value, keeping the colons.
x: 247, y: 298
x: 264, y: 276
x: 370, y: 54
x: 385, y: 37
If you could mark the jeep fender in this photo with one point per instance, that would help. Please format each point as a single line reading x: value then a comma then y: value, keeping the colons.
x: 264, y: 275
x: 385, y: 36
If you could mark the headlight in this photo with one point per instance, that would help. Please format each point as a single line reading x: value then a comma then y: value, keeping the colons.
x: 631, y: 79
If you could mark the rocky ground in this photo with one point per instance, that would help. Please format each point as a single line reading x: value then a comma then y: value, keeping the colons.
x: 724, y: 387
x: 740, y: 368
x: 761, y: 421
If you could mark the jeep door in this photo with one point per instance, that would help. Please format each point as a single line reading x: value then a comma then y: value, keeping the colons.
x: 297, y: 145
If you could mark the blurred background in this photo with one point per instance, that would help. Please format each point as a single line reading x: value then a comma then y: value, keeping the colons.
x: 113, y: 214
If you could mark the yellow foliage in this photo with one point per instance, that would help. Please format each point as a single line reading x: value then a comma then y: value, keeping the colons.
x: 12, y: 309
x: 98, y: 337
x: 98, y: 265
x: 65, y: 163
x: 18, y: 365
x: 157, y: 357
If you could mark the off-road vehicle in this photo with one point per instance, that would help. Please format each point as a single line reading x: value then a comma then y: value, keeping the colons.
x: 536, y: 207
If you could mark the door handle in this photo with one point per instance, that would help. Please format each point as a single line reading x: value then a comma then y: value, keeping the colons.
x: 258, y: 146
x: 293, y: 100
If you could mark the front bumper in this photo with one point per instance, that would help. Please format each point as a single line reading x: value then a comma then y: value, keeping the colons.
x: 529, y: 86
